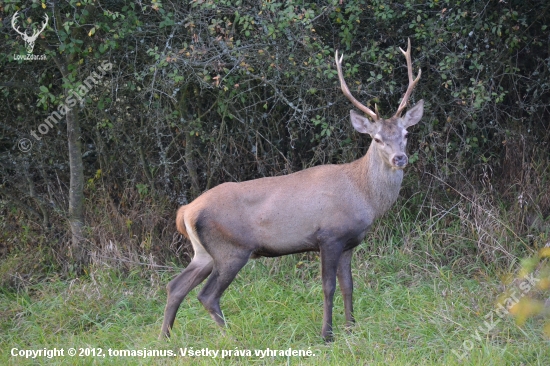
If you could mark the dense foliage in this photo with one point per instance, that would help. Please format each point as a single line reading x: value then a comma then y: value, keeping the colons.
x: 191, y: 94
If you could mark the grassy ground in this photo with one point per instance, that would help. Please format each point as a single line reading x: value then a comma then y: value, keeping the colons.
x: 409, y: 311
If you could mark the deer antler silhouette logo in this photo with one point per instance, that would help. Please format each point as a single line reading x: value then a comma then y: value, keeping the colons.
x: 29, y: 40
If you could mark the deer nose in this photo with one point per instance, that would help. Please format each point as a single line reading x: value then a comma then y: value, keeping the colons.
x: 400, y: 160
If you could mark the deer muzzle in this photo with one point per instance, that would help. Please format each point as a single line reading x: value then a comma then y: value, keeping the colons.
x: 400, y: 161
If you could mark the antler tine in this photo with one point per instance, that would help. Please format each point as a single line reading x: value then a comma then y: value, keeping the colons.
x: 45, y: 24
x: 13, y: 24
x: 346, y: 91
x: 412, y: 82
x: 24, y: 34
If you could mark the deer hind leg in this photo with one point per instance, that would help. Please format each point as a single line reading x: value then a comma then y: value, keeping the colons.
x: 199, y: 268
x: 346, y: 285
x: 225, y: 269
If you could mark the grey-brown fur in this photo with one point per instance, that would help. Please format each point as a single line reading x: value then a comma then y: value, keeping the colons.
x: 327, y: 208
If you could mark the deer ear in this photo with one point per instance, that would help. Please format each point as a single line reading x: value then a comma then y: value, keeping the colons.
x: 413, y: 115
x: 361, y: 124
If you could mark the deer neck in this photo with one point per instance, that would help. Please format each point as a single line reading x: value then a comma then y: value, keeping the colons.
x: 380, y: 183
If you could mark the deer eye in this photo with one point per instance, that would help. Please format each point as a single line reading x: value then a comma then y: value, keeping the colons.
x: 377, y: 140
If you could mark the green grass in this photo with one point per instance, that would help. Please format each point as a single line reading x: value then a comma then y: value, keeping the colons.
x: 408, y: 311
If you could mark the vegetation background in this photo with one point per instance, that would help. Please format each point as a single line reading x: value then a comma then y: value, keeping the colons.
x: 207, y: 91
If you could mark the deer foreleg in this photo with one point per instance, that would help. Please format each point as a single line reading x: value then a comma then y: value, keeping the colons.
x: 329, y: 265
x: 346, y: 285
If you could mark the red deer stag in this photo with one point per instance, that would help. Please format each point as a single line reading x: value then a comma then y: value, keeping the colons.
x: 327, y: 208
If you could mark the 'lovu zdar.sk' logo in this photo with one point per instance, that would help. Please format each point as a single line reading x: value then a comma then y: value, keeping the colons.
x: 29, y: 40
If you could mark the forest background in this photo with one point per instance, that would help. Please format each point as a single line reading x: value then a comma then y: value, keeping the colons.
x: 187, y: 95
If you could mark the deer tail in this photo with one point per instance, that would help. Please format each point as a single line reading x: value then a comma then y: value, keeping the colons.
x: 180, y: 221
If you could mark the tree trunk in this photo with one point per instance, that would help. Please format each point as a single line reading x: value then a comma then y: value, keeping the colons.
x: 78, y: 250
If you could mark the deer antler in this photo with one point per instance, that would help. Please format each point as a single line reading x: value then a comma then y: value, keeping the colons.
x: 17, y: 28
x: 412, y: 83
x: 347, y: 93
x: 43, y: 26
x: 25, y: 35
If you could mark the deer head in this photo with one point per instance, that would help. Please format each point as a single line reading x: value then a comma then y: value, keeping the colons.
x: 29, y: 40
x: 389, y: 135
